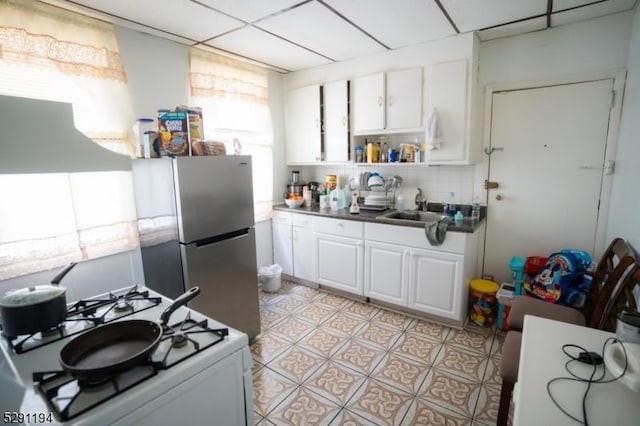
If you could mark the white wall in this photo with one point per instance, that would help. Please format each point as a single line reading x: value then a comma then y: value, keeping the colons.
x: 625, y: 193
x: 566, y: 53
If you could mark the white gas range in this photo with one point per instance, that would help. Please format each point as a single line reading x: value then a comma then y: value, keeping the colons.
x: 200, y: 372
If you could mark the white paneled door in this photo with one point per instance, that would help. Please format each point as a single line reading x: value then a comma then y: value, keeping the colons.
x: 549, y: 146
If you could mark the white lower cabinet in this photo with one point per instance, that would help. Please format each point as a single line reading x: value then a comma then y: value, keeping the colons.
x: 339, y: 251
x: 293, y: 244
x: 282, y: 234
x: 303, y: 253
x: 403, y: 268
x: 386, y: 272
x: 435, y: 283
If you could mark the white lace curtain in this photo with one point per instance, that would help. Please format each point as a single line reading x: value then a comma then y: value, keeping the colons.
x: 53, y: 54
x: 49, y: 219
x: 234, y: 100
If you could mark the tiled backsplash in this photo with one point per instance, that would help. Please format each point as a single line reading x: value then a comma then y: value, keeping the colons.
x: 437, y: 182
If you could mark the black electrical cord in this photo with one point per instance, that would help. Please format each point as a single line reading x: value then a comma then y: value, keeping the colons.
x: 593, y: 359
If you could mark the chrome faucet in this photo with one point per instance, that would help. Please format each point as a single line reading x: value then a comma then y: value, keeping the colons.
x: 421, y: 201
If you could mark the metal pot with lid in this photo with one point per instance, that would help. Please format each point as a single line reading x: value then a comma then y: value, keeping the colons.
x: 32, y: 309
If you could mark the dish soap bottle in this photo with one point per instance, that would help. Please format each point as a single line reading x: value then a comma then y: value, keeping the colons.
x: 354, y: 208
x: 458, y: 218
x: 450, y: 205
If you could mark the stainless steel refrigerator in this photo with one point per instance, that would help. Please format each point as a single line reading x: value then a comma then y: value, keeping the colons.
x: 196, y: 227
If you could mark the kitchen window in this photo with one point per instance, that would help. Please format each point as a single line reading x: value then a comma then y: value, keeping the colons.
x: 49, y: 219
x: 233, y: 97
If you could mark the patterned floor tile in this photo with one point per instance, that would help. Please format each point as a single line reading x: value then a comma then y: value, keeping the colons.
x: 393, y: 319
x: 269, y: 317
x: 380, y: 403
x: 359, y: 355
x: 286, y: 303
x: 347, y: 418
x: 461, y: 362
x: 345, y: 324
x: 425, y: 413
x: 498, y: 341
x: 429, y: 329
x: 417, y: 347
x: 293, y: 329
x: 486, y: 410
x: 267, y: 346
x: 361, y: 310
x: 297, y: 363
x: 304, y: 407
x: 333, y: 300
x: 315, y: 312
x: 335, y: 382
x: 324, y: 341
x: 307, y: 292
x: 269, y: 389
x: 452, y: 392
x: 402, y: 373
x: 255, y: 366
x: 379, y: 334
x: 471, y: 340
x: 265, y: 297
x: 492, y: 374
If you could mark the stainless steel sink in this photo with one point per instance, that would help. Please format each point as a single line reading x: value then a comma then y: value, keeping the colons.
x: 412, y: 216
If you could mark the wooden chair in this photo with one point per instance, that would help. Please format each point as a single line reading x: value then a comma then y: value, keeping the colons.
x: 623, y: 298
x: 613, y: 265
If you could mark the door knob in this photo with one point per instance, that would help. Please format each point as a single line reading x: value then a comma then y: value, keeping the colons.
x: 499, y: 197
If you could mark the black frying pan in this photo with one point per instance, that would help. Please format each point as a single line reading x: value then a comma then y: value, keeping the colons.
x: 117, y: 346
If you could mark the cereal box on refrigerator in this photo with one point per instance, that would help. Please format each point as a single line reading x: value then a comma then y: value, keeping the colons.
x: 173, y: 129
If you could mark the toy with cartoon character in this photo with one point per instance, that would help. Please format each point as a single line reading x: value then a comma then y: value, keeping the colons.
x: 483, y: 302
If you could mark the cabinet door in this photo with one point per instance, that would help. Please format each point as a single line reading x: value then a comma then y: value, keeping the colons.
x: 283, y: 246
x: 435, y: 283
x: 368, y: 102
x: 404, y: 99
x: 303, y: 255
x: 448, y: 95
x: 386, y: 268
x: 302, y: 121
x: 339, y: 262
x: 336, y: 126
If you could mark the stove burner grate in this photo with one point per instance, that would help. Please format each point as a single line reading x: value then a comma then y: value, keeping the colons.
x: 87, y: 314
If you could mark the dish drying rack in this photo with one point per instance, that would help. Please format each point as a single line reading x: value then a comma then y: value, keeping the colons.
x: 378, y: 198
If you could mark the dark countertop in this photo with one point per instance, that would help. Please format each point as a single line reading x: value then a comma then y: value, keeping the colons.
x: 468, y: 225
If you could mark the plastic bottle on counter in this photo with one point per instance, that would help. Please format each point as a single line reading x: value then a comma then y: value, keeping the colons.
x: 475, y: 211
x: 354, y: 208
x: 450, y: 205
x: 400, y: 202
x: 306, y: 196
x: 458, y: 218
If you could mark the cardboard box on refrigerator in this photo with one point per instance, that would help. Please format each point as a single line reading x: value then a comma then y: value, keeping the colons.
x: 173, y: 130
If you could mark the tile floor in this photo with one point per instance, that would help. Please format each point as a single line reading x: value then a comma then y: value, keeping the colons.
x: 326, y: 360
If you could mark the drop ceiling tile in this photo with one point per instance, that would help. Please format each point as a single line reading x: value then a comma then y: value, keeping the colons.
x: 250, y: 10
x: 321, y: 30
x: 478, y: 14
x: 395, y: 23
x: 615, y: 5
x: 262, y: 47
x: 181, y: 17
x: 513, y: 29
x: 590, y: 11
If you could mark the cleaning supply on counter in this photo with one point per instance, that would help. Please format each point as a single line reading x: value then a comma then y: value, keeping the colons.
x: 450, y: 205
x: 458, y: 218
x: 475, y: 211
x: 354, y: 208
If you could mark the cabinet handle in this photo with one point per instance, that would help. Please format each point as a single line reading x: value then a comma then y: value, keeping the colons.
x: 379, y: 101
x: 317, y: 122
x: 390, y: 100
x: 344, y: 120
x: 340, y: 224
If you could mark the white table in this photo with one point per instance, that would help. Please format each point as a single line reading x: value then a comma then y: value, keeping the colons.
x: 542, y: 359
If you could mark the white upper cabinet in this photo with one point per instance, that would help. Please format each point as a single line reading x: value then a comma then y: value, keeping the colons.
x: 388, y: 101
x: 449, y: 96
x: 336, y: 121
x: 404, y: 99
x: 368, y: 102
x: 302, y: 121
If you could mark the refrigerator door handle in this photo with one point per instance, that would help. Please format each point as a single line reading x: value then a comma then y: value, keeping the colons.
x: 223, y: 237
